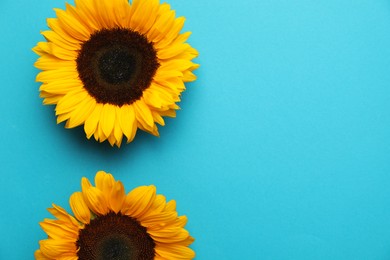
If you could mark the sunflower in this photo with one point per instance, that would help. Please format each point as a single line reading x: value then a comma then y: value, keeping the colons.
x: 108, y: 224
x: 114, y: 66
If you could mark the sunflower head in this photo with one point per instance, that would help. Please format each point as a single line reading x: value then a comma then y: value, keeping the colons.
x: 114, y: 66
x: 109, y: 224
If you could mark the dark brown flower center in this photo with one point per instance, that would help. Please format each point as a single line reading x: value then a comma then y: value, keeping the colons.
x: 117, y: 65
x: 114, y: 237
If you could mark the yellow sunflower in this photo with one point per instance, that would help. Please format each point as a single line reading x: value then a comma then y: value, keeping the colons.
x: 108, y: 224
x: 114, y: 66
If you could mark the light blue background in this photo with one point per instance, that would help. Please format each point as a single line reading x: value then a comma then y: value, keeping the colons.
x: 281, y: 149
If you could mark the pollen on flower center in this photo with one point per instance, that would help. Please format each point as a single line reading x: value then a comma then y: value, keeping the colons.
x: 117, y: 65
x: 115, y: 247
x: 115, y: 237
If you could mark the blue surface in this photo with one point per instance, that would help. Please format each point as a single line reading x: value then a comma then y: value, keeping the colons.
x: 281, y: 149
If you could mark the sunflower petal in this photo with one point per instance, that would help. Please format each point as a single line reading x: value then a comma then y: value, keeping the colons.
x: 107, y: 120
x: 94, y: 198
x: 55, y: 248
x: 50, y: 62
x: 81, y: 112
x: 143, y: 114
x: 70, y: 101
x: 80, y: 208
x: 92, y: 121
x: 175, y: 252
x: 117, y: 197
x: 40, y: 256
x: 72, y: 25
x: 117, y: 133
x: 139, y: 200
x: 59, y: 230
x: 128, y: 122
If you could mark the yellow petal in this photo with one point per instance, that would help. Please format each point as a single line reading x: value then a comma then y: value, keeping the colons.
x: 55, y: 248
x: 153, y: 131
x: 81, y: 112
x: 169, y: 235
x: 181, y: 221
x: 69, y: 257
x: 139, y: 200
x: 56, y: 26
x: 175, y: 29
x: 175, y: 252
x: 107, y: 120
x: 96, y: 201
x: 99, y: 135
x: 59, y: 230
x: 159, y: 219
x: 104, y: 181
x: 71, y: 100
x: 163, y: 23
x: 52, y: 100
x: 169, y: 113
x: 82, y: 16
x: 50, y: 62
x: 143, y: 114
x: 86, y: 10
x: 128, y: 122
x: 61, y: 86
x: 61, y: 214
x: 188, y: 54
x: 171, y: 206
x: 45, y: 47
x: 176, y: 64
x: 94, y: 198
x: 172, y: 35
x: 168, y: 74
x: 62, y: 53
x: 104, y: 13
x: 157, y: 118
x: 80, y: 208
x: 117, y: 197
x: 158, y: 97
x: 72, y: 25
x: 173, y: 50
x: 122, y: 13
x: 112, y: 190
x: 117, y: 133
x: 57, y: 74
x: 39, y: 51
x: 111, y: 139
x: 40, y: 256
x: 181, y: 38
x: 92, y: 121
x: 158, y: 204
x: 144, y: 15
x: 188, y: 76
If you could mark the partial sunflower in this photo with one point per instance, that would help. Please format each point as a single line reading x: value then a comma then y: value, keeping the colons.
x: 108, y: 224
x: 114, y: 66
